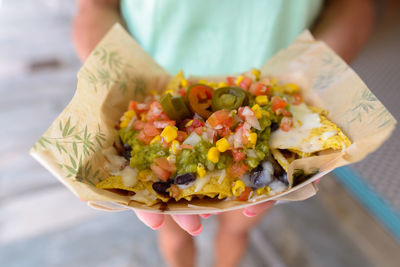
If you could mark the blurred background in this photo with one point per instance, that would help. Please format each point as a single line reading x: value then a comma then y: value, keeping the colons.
x: 353, y: 221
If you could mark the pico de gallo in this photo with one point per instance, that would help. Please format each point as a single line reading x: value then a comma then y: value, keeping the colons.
x: 201, y: 129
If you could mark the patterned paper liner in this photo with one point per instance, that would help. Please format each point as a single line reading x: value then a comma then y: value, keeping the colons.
x: 119, y: 70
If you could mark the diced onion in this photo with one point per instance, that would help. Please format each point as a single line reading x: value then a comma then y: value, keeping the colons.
x: 251, y: 153
x: 277, y: 186
x: 129, y: 176
x: 201, y: 182
x: 193, y: 139
x: 253, y: 121
x: 222, y: 176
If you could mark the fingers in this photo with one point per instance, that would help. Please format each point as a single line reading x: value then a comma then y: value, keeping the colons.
x: 317, y: 181
x: 205, y: 216
x: 189, y: 223
x: 257, y: 209
x: 153, y: 220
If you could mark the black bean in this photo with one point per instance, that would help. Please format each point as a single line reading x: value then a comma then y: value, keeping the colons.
x: 256, y: 177
x: 274, y: 126
x: 185, y: 178
x: 279, y: 172
x: 161, y: 187
x: 126, y: 151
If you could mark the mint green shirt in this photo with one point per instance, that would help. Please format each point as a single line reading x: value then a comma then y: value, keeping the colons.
x: 210, y: 37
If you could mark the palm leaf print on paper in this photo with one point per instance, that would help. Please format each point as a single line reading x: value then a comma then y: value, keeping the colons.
x: 73, y: 144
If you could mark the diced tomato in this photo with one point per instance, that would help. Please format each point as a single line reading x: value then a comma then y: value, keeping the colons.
x: 155, y: 111
x: 284, y: 112
x: 230, y: 81
x: 142, y: 107
x: 237, y: 169
x: 277, y: 102
x: 245, y: 195
x: 260, y: 89
x: 225, y: 131
x: 150, y: 130
x: 286, y: 124
x: 181, y: 136
x: 297, y: 99
x: 164, y: 117
x: 238, y: 154
x: 220, y: 119
x: 197, y: 123
x: 242, y: 132
x: 132, y: 105
x: 245, y: 112
x: 182, y: 92
x: 165, y: 164
x: 160, y: 172
x: 164, y: 144
x: 138, y: 125
x: 143, y: 137
x: 186, y: 146
x: 245, y: 83
x: 163, y: 124
x: 198, y: 130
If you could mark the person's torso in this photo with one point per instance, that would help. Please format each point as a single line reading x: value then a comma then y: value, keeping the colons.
x: 208, y: 37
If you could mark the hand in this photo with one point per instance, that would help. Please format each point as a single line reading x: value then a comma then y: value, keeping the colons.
x: 257, y: 209
x: 189, y: 223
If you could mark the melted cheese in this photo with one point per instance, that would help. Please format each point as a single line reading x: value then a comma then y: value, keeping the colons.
x: 296, y: 136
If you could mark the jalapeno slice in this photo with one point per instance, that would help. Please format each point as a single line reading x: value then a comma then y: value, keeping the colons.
x: 228, y: 98
x: 199, y: 97
x: 175, y: 107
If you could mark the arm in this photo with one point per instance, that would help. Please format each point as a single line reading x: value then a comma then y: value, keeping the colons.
x: 345, y: 26
x: 93, y: 20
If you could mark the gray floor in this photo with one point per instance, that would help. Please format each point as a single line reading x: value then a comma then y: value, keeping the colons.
x: 43, y: 224
x: 378, y: 66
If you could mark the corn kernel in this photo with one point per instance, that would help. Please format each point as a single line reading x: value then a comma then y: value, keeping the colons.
x: 238, y: 188
x: 143, y: 117
x: 201, y: 171
x: 263, y: 190
x: 124, y: 123
x: 155, y: 139
x: 189, y: 123
x: 169, y: 91
x: 222, y: 84
x: 256, y: 73
x: 265, y: 113
x: 129, y: 114
x: 184, y: 83
x: 262, y: 100
x: 174, y: 149
x: 203, y: 82
x: 222, y: 145
x: 239, y: 80
x: 253, y: 139
x: 213, y: 155
x: 291, y: 88
x: 212, y: 84
x: 273, y: 81
x: 257, y: 111
x: 169, y: 133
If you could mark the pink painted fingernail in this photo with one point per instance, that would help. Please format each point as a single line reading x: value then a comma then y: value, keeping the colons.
x: 157, y: 226
x: 198, y: 231
x: 249, y: 213
x: 205, y: 216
